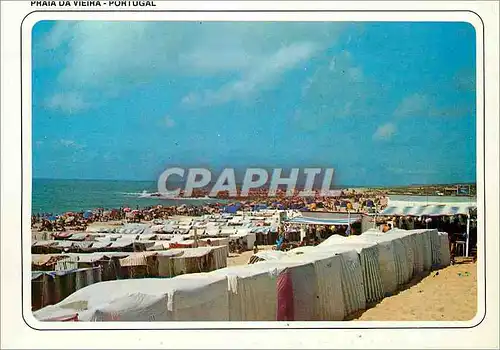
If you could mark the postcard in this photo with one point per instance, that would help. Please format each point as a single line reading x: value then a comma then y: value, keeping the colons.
x: 257, y: 174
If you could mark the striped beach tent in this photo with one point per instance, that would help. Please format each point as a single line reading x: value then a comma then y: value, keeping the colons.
x: 428, y: 210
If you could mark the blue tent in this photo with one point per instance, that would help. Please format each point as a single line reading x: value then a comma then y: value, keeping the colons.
x: 231, y: 209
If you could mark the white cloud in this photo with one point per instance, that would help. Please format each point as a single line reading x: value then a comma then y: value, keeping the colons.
x: 168, y: 122
x: 336, y: 90
x: 70, y: 144
x: 385, y: 131
x: 355, y: 74
x: 412, y: 171
x: 262, y: 76
x: 465, y: 80
x: 66, y: 102
x: 111, y: 56
x: 416, y: 105
x: 420, y: 105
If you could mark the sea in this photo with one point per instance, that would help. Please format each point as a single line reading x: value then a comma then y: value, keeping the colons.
x: 60, y: 196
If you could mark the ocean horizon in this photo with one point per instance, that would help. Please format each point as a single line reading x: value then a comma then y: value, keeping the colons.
x: 58, y: 196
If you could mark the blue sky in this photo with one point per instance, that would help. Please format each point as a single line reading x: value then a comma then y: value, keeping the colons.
x: 382, y: 103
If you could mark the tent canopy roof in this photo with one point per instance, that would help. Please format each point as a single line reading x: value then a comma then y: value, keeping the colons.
x: 429, y: 210
x: 325, y: 218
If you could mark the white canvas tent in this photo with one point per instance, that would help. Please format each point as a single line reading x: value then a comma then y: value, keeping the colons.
x: 408, y: 208
x: 369, y: 259
x: 252, y: 292
x: 328, y: 301
x: 176, y: 299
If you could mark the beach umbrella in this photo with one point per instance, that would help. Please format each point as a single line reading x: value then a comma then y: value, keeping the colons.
x: 126, y: 210
x: 369, y: 203
x: 87, y: 215
x: 135, y: 211
x: 52, y: 218
x: 69, y: 219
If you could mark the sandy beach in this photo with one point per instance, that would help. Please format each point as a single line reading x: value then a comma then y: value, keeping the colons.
x: 449, y: 294
x: 242, y: 259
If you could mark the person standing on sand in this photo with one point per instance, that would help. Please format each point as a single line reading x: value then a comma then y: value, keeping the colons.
x: 386, y: 228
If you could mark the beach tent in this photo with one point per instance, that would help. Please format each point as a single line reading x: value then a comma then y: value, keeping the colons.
x: 402, y: 209
x: 101, y: 229
x: 328, y: 301
x: 444, y: 258
x: 218, y: 257
x: 252, y: 292
x: 54, y: 286
x: 246, y: 235
x: 231, y: 209
x: 325, y: 218
x: 266, y: 255
x: 99, y: 245
x: 393, y: 265
x: 369, y: 259
x: 407, y: 208
x: 82, y: 245
x: 165, y: 262
x: 353, y: 291
x: 49, y: 287
x: 139, y: 265
x: 53, y: 262
x: 403, y: 259
x: 422, y: 249
x: 200, y: 299
x: 419, y: 246
x: 295, y: 289
x: 122, y: 244
x: 192, y: 260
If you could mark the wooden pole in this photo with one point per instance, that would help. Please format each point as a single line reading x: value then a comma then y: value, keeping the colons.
x: 195, y: 237
x: 349, y: 221
x: 467, y: 235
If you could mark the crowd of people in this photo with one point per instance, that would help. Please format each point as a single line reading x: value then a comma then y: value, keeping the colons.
x: 455, y: 226
x: 354, y: 201
x: 345, y: 201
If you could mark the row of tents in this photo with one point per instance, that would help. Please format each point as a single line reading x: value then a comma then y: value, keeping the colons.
x: 56, y: 276
x: 328, y: 282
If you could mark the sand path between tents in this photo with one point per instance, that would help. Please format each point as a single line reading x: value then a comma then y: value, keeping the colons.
x: 449, y: 294
x: 242, y: 259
